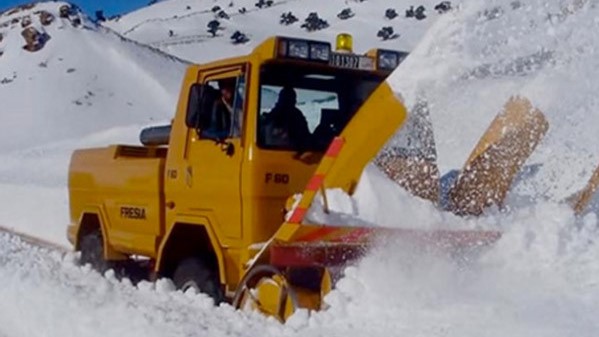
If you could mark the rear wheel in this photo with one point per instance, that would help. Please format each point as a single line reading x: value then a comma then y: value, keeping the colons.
x: 193, y: 273
x: 92, y: 251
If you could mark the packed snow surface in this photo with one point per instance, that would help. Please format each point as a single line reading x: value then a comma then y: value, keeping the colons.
x: 540, y: 279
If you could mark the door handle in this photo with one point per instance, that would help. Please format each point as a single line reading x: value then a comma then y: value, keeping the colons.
x: 189, y: 176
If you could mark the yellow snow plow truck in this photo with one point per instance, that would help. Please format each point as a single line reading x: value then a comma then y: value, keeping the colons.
x: 217, y: 200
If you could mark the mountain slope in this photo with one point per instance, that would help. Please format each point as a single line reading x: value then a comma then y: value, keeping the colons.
x: 86, y: 86
x: 84, y: 79
x: 188, y: 20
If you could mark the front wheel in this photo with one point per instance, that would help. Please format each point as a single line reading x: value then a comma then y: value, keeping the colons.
x: 91, y: 246
x: 193, y: 273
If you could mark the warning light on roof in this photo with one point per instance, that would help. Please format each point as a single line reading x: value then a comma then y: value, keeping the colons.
x: 345, y: 43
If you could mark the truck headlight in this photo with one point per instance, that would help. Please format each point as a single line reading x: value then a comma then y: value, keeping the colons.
x: 320, y: 51
x: 389, y: 59
x: 299, y: 49
x: 304, y: 49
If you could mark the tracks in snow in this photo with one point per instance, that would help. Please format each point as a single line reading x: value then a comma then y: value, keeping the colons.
x: 35, y: 241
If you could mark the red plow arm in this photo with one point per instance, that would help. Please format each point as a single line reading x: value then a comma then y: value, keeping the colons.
x: 327, y: 246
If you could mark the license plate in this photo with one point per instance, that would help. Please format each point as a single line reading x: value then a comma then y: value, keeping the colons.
x: 351, y: 61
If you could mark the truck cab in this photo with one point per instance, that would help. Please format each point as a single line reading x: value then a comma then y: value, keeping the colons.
x: 202, y: 195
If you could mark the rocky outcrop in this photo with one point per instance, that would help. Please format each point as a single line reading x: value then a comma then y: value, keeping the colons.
x: 71, y: 14
x: 65, y: 11
x: 13, y: 11
x: 34, y: 39
x: 27, y: 6
x: 26, y: 21
x: 76, y: 21
x: 31, y: 36
x: 46, y: 18
x: 20, y: 8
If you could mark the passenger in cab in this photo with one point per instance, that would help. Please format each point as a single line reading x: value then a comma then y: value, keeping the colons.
x: 285, y: 125
x: 327, y: 129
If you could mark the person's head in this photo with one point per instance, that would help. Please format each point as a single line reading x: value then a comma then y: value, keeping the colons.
x: 227, y: 88
x: 287, y: 96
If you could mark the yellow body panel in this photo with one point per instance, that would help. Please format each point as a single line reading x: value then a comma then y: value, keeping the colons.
x: 133, y: 215
x: 364, y: 136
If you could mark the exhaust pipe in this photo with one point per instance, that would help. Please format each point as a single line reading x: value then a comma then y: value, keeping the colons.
x: 155, y: 135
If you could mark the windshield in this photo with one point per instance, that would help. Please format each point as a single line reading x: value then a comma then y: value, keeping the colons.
x: 302, y: 107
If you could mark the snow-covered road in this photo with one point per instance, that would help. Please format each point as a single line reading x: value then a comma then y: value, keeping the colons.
x: 45, y: 293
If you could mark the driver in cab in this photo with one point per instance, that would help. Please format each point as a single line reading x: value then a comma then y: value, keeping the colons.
x: 223, y: 122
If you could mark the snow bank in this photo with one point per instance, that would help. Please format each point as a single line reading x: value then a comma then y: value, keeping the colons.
x: 45, y: 293
x: 537, y: 281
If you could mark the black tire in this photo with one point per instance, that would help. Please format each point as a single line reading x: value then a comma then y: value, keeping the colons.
x: 92, y: 251
x: 194, y: 273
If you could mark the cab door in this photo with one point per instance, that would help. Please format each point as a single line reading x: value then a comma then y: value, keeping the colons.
x: 212, y: 172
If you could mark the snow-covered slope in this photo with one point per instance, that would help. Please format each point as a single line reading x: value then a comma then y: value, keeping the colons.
x: 84, y: 79
x: 539, y: 280
x: 188, y: 20
x: 85, y: 86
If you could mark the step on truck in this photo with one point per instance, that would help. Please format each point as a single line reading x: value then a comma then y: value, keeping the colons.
x: 216, y: 201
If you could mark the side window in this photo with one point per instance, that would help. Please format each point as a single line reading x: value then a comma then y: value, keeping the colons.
x: 193, y: 106
x: 222, y: 108
x: 238, y: 107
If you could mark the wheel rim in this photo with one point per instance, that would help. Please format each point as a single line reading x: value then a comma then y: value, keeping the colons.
x: 248, y: 298
x: 191, y: 285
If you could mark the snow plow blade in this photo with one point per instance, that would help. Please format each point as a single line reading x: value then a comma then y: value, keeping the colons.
x: 413, y: 163
x: 498, y: 157
x: 301, y: 264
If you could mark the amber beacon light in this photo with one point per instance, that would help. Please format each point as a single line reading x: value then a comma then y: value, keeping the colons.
x: 345, y: 43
